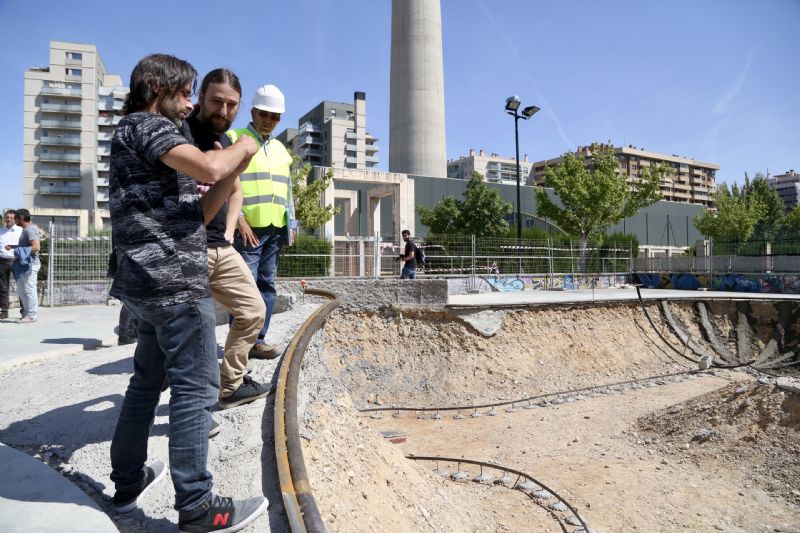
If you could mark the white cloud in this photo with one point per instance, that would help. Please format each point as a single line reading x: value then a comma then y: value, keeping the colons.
x: 723, y: 105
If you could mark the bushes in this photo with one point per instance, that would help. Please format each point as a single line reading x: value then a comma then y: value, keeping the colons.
x: 308, y: 257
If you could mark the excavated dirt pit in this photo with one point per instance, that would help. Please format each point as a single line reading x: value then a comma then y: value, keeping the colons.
x: 714, y: 451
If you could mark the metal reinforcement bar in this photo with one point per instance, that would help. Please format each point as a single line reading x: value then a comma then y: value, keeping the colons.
x: 298, y: 499
x: 527, y: 398
x: 504, y: 469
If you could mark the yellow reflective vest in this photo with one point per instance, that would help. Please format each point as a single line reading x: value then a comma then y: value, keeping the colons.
x: 266, y: 183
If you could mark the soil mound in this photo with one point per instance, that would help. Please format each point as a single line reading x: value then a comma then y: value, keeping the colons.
x: 751, y: 426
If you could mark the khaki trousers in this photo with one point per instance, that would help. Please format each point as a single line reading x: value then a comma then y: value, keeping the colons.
x: 233, y: 286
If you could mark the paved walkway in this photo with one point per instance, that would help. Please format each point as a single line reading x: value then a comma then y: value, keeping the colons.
x: 523, y: 298
x: 59, y: 331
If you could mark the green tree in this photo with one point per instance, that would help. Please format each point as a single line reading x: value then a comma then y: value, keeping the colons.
x: 734, y: 217
x: 772, y: 208
x: 308, y: 208
x: 792, y: 220
x: 595, y: 196
x: 482, y: 213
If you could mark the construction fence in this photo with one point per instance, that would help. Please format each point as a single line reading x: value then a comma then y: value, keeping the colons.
x: 74, y: 268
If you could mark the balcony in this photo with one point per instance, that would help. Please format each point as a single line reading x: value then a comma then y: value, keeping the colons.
x: 60, y: 141
x: 351, y: 136
x: 102, y: 197
x: 60, y: 108
x: 371, y: 148
x: 307, y: 127
x: 60, y: 124
x: 351, y: 147
x: 61, y: 91
x: 60, y: 173
x: 102, y: 182
x: 49, y: 156
x: 350, y: 159
x: 105, y: 136
x: 103, y: 150
x: 307, y: 140
x: 108, y: 121
x: 103, y: 167
x: 309, y: 152
x: 67, y: 190
x: 372, y: 159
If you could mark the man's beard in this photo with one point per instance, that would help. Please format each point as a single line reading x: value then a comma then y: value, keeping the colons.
x: 213, y: 122
x: 172, y: 108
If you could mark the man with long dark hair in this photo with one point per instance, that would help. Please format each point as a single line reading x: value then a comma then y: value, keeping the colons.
x: 161, y: 274
x: 232, y: 285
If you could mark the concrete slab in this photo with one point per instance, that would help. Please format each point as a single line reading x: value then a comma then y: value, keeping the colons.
x: 35, y: 498
x: 538, y: 297
x: 60, y: 331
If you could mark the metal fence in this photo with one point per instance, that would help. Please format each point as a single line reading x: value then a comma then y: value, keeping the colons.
x: 74, y: 268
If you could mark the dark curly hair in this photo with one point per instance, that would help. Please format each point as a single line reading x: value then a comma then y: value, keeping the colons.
x: 157, y: 73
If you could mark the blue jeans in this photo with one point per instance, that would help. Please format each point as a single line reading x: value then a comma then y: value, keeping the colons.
x: 26, y: 290
x: 262, y: 260
x: 176, y: 342
x: 408, y: 273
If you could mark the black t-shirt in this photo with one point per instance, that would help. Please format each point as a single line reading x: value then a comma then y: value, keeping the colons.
x: 156, y: 219
x: 204, y: 138
x: 411, y: 248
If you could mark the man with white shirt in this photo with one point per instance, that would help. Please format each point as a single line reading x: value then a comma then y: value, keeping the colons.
x: 9, y: 234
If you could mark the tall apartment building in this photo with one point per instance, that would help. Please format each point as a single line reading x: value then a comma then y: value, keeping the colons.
x: 495, y: 168
x: 788, y: 187
x: 71, y: 109
x: 334, y: 134
x: 689, y: 180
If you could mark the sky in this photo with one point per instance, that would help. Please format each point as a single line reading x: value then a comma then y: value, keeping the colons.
x: 713, y: 80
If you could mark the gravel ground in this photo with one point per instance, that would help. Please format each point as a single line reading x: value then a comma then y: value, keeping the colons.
x: 63, y: 411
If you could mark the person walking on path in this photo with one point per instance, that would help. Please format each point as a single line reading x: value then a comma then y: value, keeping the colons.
x: 161, y: 273
x: 267, y: 217
x: 232, y: 284
x: 9, y: 235
x: 26, y: 265
x: 409, y: 257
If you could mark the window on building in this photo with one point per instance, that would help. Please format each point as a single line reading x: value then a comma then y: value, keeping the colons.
x: 333, y: 112
x: 75, y: 56
x: 74, y: 72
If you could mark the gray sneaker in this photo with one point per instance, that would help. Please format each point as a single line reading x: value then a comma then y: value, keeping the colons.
x: 224, y: 515
x: 127, y: 500
x: 249, y: 391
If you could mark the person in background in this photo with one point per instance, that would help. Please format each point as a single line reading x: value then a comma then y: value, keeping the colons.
x: 267, y: 217
x: 9, y: 234
x: 26, y: 265
x: 409, y: 257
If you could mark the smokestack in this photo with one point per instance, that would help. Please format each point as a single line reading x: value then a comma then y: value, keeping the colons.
x: 416, y: 93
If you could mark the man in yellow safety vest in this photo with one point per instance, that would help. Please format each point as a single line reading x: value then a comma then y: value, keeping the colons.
x: 267, y: 218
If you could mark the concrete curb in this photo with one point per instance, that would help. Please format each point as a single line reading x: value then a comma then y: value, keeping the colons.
x: 35, y: 498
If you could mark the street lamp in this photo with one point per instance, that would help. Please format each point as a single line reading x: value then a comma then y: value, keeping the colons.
x: 512, y: 108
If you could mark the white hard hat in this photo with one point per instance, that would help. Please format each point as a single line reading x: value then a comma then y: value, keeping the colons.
x: 269, y: 98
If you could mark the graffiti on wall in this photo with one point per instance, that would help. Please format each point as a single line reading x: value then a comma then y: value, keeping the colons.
x: 562, y: 281
x: 755, y: 283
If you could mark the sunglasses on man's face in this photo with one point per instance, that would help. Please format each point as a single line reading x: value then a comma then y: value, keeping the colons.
x: 269, y: 115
